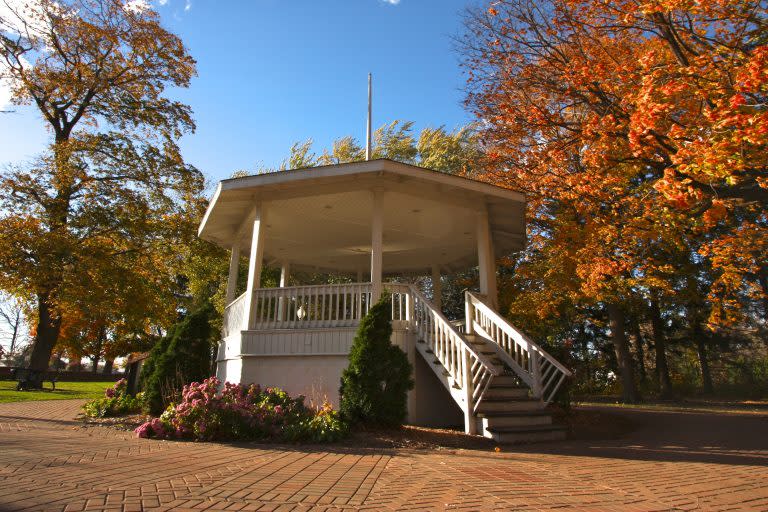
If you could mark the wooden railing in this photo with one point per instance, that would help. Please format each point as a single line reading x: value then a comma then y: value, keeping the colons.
x: 542, y: 372
x: 468, y: 369
x: 234, y: 317
x: 330, y: 305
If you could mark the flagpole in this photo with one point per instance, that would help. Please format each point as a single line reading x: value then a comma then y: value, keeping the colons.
x: 368, y: 131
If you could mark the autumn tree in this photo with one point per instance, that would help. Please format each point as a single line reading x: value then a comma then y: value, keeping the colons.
x: 455, y: 152
x: 637, y: 130
x: 111, y: 190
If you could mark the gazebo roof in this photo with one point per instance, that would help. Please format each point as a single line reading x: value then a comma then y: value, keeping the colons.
x: 319, y: 218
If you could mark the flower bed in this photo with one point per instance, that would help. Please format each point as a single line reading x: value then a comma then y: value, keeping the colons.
x: 116, y: 402
x: 210, y: 412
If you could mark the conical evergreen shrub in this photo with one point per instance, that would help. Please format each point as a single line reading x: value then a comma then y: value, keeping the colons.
x: 184, y: 355
x: 374, y: 387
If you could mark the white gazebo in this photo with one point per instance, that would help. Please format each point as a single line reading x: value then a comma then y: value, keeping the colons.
x: 369, y: 221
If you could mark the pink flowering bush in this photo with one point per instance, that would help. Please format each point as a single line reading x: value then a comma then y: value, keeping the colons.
x: 116, y: 402
x: 208, y: 411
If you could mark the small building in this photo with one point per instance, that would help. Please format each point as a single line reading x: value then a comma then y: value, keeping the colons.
x: 370, y: 221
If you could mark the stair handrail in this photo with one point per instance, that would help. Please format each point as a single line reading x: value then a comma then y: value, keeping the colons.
x: 468, y: 368
x: 234, y: 317
x: 544, y: 373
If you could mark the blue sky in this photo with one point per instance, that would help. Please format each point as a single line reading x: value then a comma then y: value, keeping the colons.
x: 273, y: 72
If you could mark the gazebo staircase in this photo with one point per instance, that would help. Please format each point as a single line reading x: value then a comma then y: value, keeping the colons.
x: 501, y: 380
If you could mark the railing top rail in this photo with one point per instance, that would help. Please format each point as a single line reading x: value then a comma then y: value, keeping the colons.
x: 234, y: 302
x: 318, y: 286
x: 480, y: 357
x: 514, y: 331
x: 399, y: 287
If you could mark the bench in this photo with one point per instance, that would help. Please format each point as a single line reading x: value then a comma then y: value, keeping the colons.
x: 28, y: 379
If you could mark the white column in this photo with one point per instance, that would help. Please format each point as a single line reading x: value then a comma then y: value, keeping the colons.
x: 285, y: 269
x: 234, y: 272
x: 377, y: 234
x: 437, y: 288
x: 254, y: 265
x: 486, y: 259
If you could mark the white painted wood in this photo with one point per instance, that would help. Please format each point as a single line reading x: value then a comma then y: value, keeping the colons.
x: 377, y: 233
x: 234, y: 270
x: 289, y: 347
x: 542, y: 372
x: 486, y: 258
x: 254, y: 265
x: 285, y: 268
x: 467, y: 369
x: 234, y: 317
x: 305, y: 342
x: 333, y: 305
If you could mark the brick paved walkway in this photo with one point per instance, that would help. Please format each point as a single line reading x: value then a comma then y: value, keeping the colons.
x: 672, y: 462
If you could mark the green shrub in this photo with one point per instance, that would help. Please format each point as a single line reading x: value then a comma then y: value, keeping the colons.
x: 183, y: 356
x: 374, y: 387
x: 116, y: 402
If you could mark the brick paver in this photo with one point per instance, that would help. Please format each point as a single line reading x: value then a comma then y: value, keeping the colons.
x: 674, y: 461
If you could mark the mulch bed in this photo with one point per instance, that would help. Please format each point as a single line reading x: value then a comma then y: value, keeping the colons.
x: 129, y: 422
x: 583, y: 425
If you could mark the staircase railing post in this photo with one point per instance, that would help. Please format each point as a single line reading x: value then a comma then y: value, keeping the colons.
x: 536, y: 373
x: 470, y: 424
x: 409, y: 309
x: 468, y: 313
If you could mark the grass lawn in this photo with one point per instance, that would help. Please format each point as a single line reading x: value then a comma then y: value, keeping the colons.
x: 713, y: 405
x: 64, y: 390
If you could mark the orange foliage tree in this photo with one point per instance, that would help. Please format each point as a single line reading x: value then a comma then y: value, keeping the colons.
x: 638, y: 130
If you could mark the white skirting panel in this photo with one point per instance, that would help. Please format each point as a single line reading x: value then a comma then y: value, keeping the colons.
x: 309, y: 362
x: 297, y: 342
x: 229, y: 370
x: 316, y: 377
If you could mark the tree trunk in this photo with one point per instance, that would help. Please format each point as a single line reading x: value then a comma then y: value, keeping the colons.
x: 48, y: 327
x: 623, y: 356
x: 701, y: 348
x: 108, y: 364
x: 706, y: 375
x: 96, y: 357
x: 662, y: 369
x: 639, y: 349
x: 762, y: 276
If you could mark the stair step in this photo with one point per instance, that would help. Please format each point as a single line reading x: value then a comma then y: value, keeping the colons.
x: 526, y: 399
x: 493, y: 405
x: 507, y: 392
x: 537, y: 428
x: 506, y: 380
x: 508, y: 414
x: 491, y: 420
x: 527, y: 434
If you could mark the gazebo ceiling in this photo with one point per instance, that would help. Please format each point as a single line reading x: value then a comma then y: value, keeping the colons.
x: 320, y: 218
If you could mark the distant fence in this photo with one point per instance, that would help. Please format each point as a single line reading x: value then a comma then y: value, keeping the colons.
x: 69, y: 376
